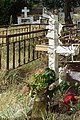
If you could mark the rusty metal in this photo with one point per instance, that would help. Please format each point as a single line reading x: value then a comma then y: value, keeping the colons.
x: 17, y: 44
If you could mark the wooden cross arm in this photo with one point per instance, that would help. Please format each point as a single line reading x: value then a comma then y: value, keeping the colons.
x: 41, y: 48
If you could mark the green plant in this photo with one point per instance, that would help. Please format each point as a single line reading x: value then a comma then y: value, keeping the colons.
x: 63, y: 87
x: 40, y: 82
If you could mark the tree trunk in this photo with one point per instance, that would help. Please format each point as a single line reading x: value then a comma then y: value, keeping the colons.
x: 67, y: 10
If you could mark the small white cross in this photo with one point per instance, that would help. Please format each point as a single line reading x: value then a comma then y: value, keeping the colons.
x: 25, y: 10
x: 60, y: 10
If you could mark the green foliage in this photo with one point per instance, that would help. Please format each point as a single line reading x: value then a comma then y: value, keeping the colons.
x: 52, y: 3
x: 8, y: 8
x: 63, y: 87
x: 41, y: 81
x: 59, y: 3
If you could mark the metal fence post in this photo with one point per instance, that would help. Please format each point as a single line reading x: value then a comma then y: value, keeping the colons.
x: 7, y: 45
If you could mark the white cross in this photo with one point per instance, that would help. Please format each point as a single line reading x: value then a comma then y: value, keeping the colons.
x: 25, y: 10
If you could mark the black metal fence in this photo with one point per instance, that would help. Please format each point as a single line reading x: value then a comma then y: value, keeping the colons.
x: 18, y: 48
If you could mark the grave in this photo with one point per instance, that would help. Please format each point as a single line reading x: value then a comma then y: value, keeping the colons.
x: 55, y: 46
x: 34, y: 16
x: 76, y: 18
x: 26, y: 19
x: 62, y: 15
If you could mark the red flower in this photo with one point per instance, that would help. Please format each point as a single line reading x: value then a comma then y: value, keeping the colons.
x: 71, y: 98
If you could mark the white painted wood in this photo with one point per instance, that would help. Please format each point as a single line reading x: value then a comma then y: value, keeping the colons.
x: 53, y: 42
x: 67, y: 51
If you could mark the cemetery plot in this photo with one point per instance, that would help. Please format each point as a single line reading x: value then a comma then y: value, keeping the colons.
x: 63, y: 49
x: 26, y: 19
x: 63, y: 43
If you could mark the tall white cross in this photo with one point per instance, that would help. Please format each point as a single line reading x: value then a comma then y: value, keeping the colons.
x: 53, y: 43
x: 25, y: 10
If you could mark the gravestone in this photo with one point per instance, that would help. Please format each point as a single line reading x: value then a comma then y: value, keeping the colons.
x: 26, y: 19
x: 61, y: 16
x: 25, y: 11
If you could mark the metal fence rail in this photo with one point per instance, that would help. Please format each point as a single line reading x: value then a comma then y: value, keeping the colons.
x: 19, y: 48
